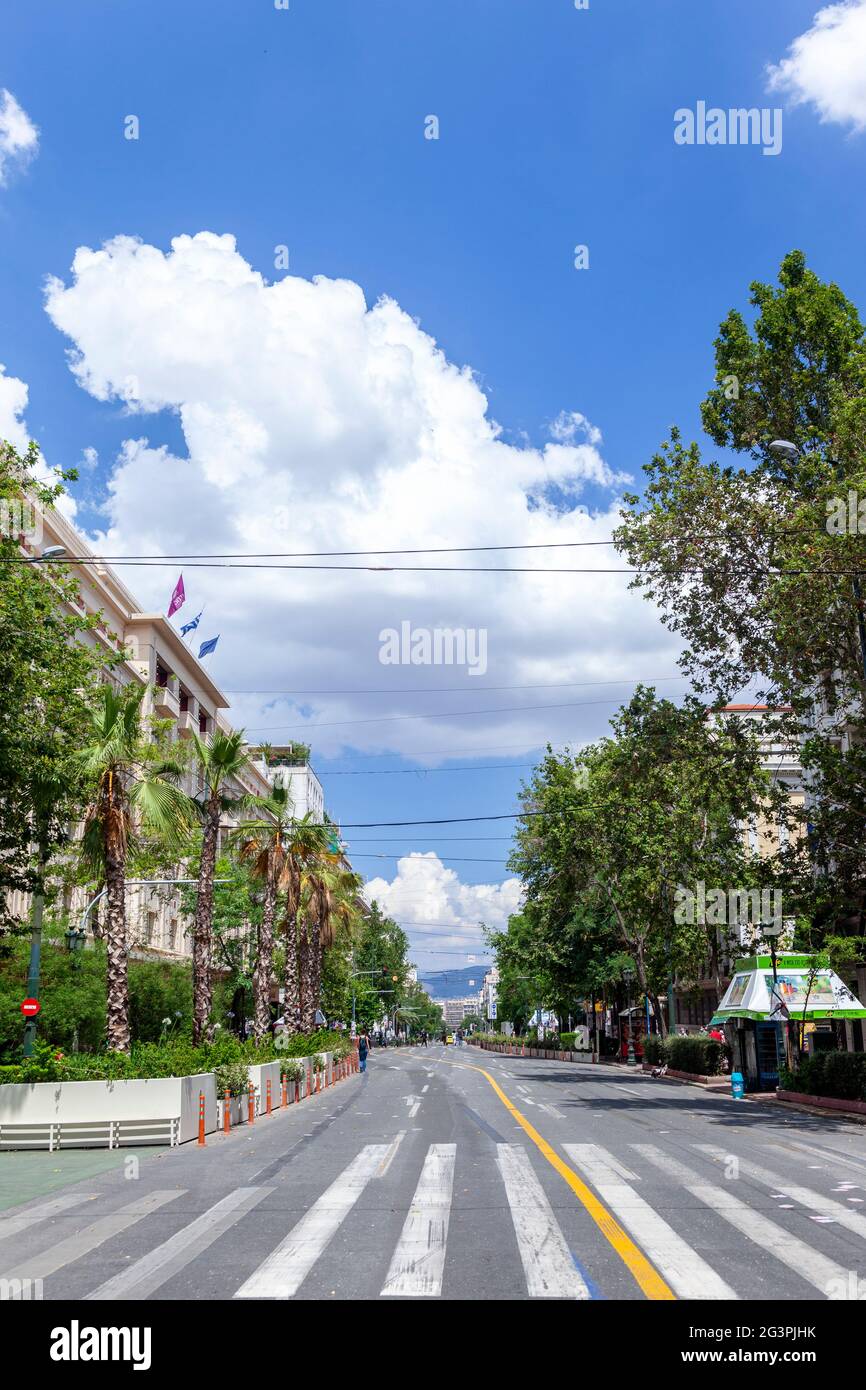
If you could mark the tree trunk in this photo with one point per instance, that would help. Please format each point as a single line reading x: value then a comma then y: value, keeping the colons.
x: 117, y: 972
x: 264, y: 959
x: 317, y: 961
x: 291, y: 978
x: 305, y: 961
x: 202, y: 947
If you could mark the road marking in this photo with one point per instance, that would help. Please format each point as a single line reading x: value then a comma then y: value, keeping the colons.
x: 806, y: 1196
x: 647, y: 1278
x: 83, y: 1242
x: 551, y: 1110
x: 425, y: 1088
x: 547, y: 1261
x: 788, y: 1249
x: 419, y: 1259
x: 683, y: 1268
x: 14, y: 1225
x: 414, y: 1111
x: 149, y: 1273
x: 391, y: 1154
x: 285, y: 1269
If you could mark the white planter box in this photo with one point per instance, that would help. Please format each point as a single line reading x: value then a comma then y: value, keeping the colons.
x: 105, y: 1114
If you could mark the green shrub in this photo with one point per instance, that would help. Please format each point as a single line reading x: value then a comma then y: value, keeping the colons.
x: 654, y: 1050
x: 841, y: 1075
x: 291, y: 1069
x: 696, y: 1053
x: 232, y: 1077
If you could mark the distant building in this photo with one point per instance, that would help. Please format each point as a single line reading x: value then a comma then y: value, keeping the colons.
x: 290, y: 763
x: 455, y: 1010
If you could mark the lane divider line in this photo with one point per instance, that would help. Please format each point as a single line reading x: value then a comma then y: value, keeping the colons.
x: 644, y: 1273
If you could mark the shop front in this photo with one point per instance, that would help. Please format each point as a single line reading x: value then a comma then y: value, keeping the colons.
x: 771, y: 1010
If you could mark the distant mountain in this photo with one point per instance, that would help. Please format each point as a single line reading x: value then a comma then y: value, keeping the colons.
x: 454, y: 984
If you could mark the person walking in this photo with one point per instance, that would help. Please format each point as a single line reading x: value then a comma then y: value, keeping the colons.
x: 363, y: 1049
x: 424, y: 1037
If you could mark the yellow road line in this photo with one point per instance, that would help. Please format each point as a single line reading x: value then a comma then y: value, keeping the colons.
x: 646, y: 1275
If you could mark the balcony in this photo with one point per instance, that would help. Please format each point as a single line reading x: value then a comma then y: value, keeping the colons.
x: 165, y: 702
x: 187, y: 723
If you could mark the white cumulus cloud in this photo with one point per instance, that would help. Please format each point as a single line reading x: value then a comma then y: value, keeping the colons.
x: 826, y: 66
x: 19, y: 137
x: 314, y: 422
x: 449, y: 913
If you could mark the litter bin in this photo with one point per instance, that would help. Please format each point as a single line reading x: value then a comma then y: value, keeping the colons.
x: 738, y: 1085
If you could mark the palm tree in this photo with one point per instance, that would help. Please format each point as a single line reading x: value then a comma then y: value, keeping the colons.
x: 307, y: 845
x: 133, y: 786
x: 218, y: 762
x: 260, y: 843
x: 332, y: 906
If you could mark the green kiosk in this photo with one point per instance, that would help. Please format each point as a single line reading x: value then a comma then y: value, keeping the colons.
x: 767, y: 992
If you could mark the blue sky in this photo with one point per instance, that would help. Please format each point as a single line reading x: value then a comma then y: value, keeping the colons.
x: 306, y: 128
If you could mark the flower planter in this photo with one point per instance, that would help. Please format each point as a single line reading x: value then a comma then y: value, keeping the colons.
x: 105, y: 1114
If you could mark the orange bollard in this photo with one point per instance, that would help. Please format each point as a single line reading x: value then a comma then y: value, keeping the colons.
x: 297, y: 1089
x: 201, y: 1117
x: 285, y: 1099
x: 227, y: 1111
x: 309, y: 1086
x: 251, y: 1097
x: 268, y: 1096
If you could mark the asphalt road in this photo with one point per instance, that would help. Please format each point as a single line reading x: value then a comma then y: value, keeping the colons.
x: 426, y: 1178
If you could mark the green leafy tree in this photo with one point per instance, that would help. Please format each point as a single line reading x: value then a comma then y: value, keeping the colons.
x: 49, y: 667
x: 260, y: 843
x: 747, y: 566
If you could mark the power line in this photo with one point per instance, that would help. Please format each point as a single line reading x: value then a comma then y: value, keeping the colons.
x: 436, y: 714
x: 421, y: 771
x: 420, y: 569
x: 443, y: 859
x: 461, y: 689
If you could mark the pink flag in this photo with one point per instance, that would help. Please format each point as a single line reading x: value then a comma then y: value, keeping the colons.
x: 177, y: 598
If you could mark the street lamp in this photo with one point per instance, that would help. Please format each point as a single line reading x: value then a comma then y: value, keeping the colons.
x: 628, y: 976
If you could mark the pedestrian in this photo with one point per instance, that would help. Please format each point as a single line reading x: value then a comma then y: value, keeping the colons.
x: 363, y: 1049
x: 424, y: 1037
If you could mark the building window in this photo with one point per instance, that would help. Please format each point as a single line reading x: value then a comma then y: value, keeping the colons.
x: 150, y: 929
x: 202, y: 722
x: 161, y: 675
x: 172, y: 934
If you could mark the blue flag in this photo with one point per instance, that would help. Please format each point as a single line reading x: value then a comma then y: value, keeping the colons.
x: 207, y: 647
x: 190, y: 626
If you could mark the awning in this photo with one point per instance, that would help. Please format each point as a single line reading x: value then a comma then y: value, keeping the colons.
x: 799, y: 992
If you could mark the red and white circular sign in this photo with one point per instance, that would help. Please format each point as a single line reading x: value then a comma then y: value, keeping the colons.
x: 30, y: 1008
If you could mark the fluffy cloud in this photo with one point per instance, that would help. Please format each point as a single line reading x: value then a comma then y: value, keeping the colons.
x: 19, y: 138
x: 13, y: 403
x: 313, y: 422
x: 425, y: 892
x: 826, y: 66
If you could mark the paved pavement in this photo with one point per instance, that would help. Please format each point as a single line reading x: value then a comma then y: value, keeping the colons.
x: 452, y: 1173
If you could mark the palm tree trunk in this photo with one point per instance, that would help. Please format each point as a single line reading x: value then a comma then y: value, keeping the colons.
x: 264, y: 959
x: 305, y: 960
x: 202, y: 947
x: 291, y: 978
x: 318, y: 956
x: 117, y: 973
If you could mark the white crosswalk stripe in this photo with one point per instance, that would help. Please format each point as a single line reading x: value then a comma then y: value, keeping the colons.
x: 13, y: 1225
x: 154, y: 1269
x: 685, y: 1271
x: 806, y: 1196
x: 823, y: 1273
x: 65, y: 1252
x: 419, y: 1259
x: 285, y: 1269
x: 547, y: 1262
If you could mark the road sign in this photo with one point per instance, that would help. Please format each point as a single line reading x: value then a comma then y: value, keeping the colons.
x: 30, y: 1008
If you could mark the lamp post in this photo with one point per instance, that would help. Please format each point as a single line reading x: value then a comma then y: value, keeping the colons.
x: 628, y: 976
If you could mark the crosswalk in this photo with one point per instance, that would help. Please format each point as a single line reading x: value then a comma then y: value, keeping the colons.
x: 702, y: 1215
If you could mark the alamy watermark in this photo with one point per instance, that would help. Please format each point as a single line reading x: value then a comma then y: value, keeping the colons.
x: 735, y: 907
x: 438, y: 646
x: 20, y: 520
x: 739, y: 125
x: 846, y: 516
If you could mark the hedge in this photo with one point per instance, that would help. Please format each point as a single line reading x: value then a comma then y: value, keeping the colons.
x: 175, y: 1057
x: 697, y: 1054
x: 841, y: 1075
